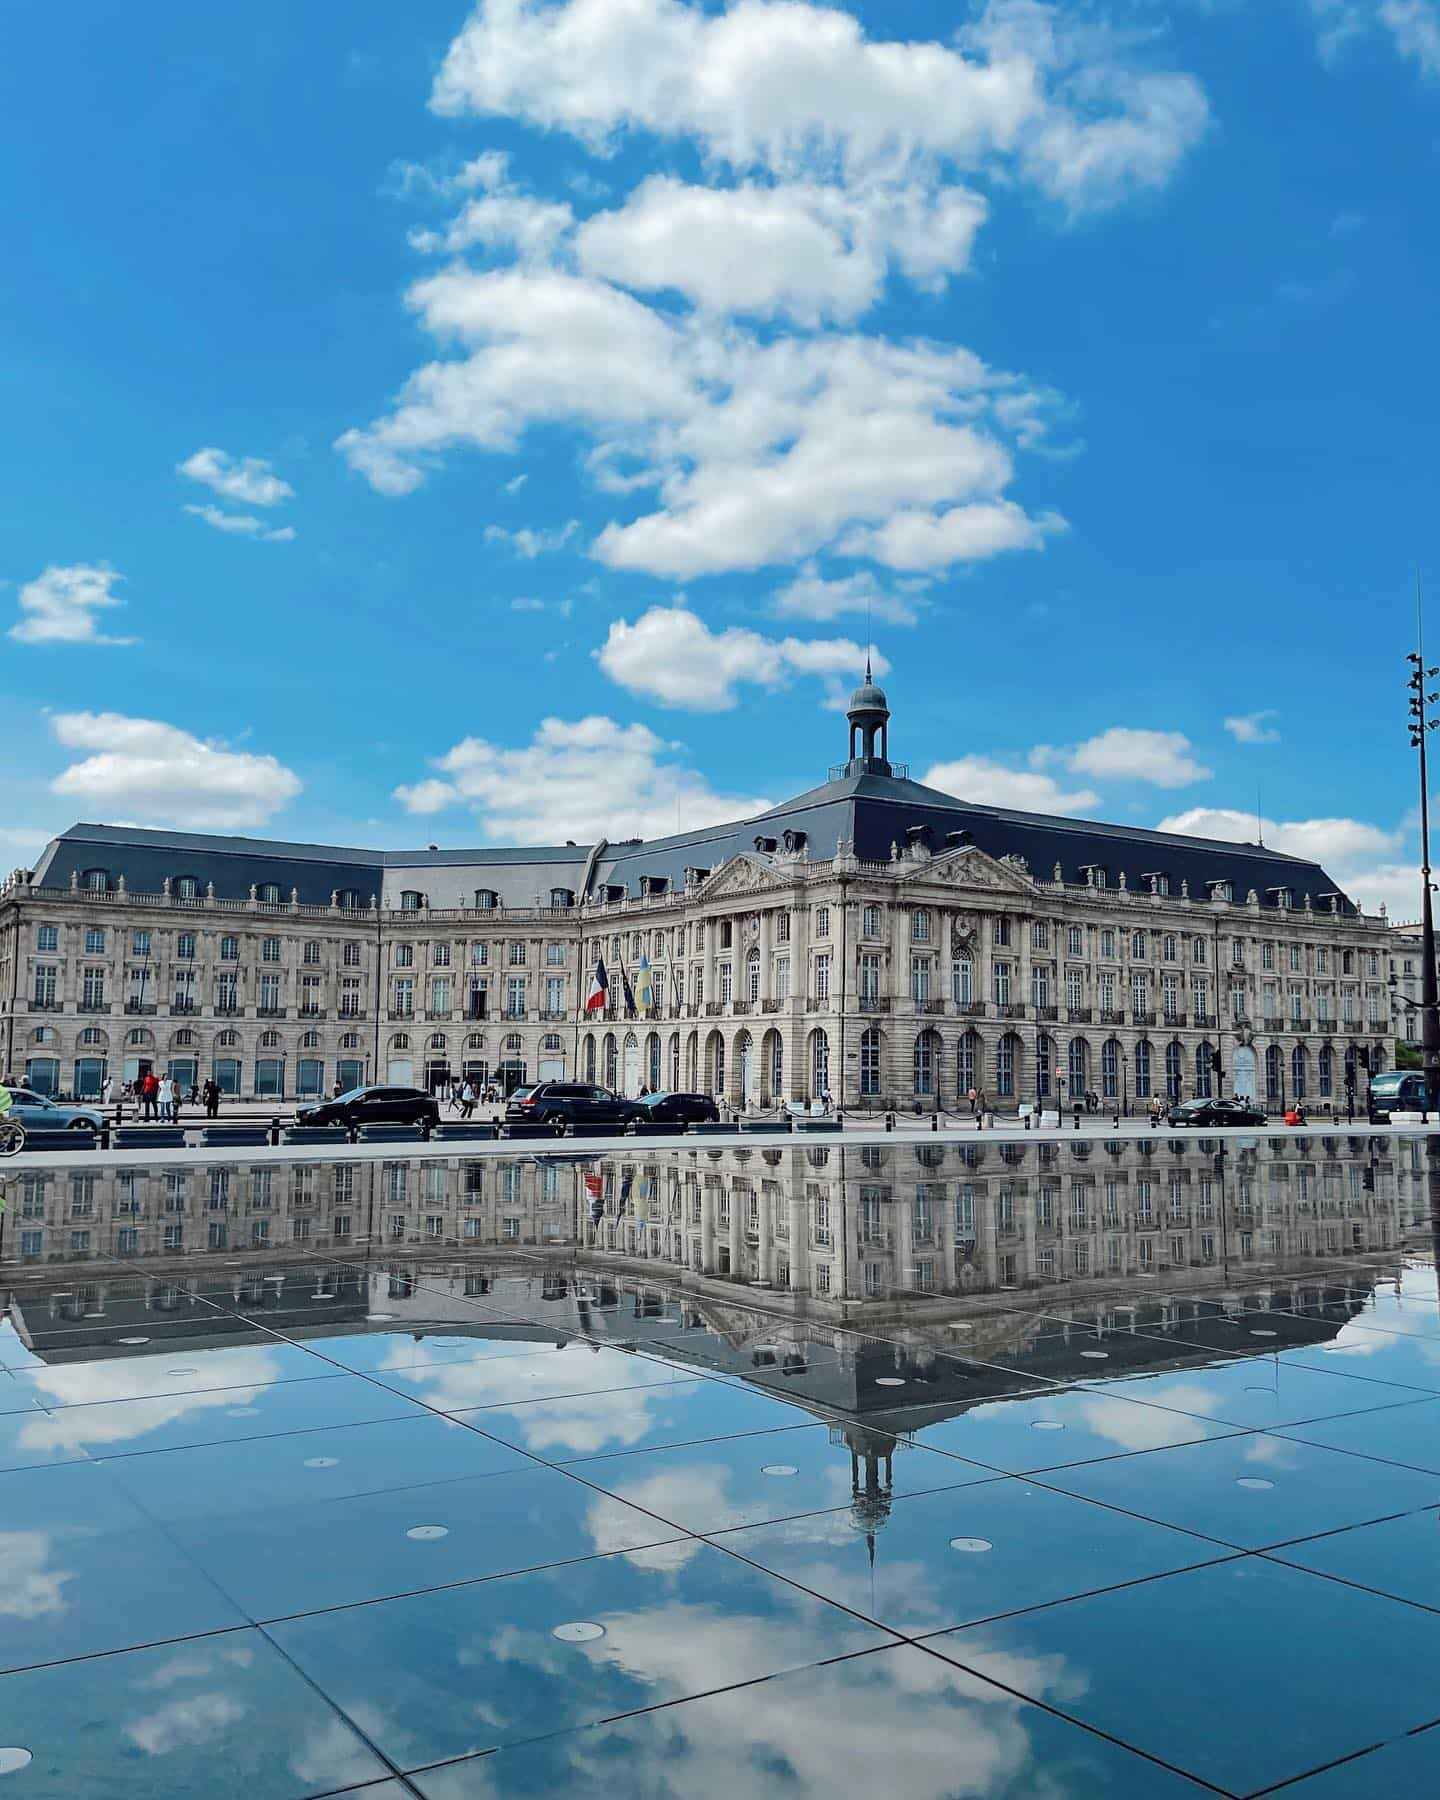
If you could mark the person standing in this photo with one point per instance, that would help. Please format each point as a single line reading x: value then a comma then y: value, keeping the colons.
x: 165, y: 1094
x: 212, y: 1098
x: 150, y: 1092
x: 107, y: 1091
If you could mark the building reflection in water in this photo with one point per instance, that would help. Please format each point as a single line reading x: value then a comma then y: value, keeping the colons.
x: 884, y: 1288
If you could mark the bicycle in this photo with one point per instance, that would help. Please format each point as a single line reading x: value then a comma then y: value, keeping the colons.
x: 12, y: 1137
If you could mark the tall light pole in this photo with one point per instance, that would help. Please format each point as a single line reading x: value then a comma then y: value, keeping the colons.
x: 1421, y: 725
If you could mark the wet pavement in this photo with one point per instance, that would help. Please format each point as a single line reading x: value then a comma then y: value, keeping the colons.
x: 560, y: 1504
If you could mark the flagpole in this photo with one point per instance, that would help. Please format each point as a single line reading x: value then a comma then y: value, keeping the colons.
x: 579, y: 1002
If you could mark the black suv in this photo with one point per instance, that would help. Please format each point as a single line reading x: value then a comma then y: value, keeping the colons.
x: 373, y: 1106
x: 569, y: 1103
x: 677, y: 1109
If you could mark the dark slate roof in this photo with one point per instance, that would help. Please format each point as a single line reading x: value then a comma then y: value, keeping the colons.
x: 867, y: 810
x: 874, y: 811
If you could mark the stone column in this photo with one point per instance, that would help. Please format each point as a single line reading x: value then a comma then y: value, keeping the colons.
x: 767, y: 948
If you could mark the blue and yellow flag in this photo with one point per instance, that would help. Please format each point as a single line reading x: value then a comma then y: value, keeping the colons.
x: 644, y: 983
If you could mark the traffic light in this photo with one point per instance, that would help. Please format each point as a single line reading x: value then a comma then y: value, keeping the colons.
x: 1364, y: 1056
x: 1215, y: 1062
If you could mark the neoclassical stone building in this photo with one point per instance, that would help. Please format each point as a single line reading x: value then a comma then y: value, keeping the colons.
x: 873, y: 941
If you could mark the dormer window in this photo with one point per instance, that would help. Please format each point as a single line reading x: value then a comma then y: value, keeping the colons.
x: 268, y: 893
x: 1095, y: 874
x: 1283, y: 897
x: 96, y: 881
x: 1159, y: 882
x: 186, y: 887
x: 561, y: 897
x: 348, y: 899
x: 411, y: 900
x: 486, y: 900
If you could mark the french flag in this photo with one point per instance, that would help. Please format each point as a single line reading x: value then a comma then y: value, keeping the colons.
x: 599, y: 988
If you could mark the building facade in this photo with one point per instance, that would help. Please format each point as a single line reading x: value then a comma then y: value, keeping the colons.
x: 872, y: 942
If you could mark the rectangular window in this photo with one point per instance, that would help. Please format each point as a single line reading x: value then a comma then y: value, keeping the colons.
x: 404, y: 956
x: 440, y: 956
x: 517, y: 953
x: 185, y: 946
x: 350, y: 956
x: 822, y: 978
x: 822, y: 921
x: 555, y: 956
x: 782, y: 977
x: 92, y: 988
x: 229, y: 949
x: 1107, y: 991
x: 515, y: 997
x: 962, y: 977
x: 727, y: 983
x: 350, y: 997
x: 1075, y: 941
x: 440, y: 994
x: 1074, y: 989
x: 1297, y: 961
x: 782, y: 928
x: 1039, y: 935
x: 175, y: 1236
x: 1040, y: 985
x: 1107, y: 944
x: 140, y: 943
x: 869, y: 923
x: 95, y: 941
x: 920, y: 980
x: 269, y: 993
x: 1267, y: 956
x: 80, y: 1241
x: 479, y: 956
x: 869, y: 979
x: 554, y: 994
x: 403, y: 1005
x: 45, y: 980
x: 269, y: 949
x: 48, y: 938
x: 1002, y: 983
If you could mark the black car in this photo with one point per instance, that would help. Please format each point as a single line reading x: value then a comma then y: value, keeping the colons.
x: 1216, y: 1112
x: 1397, y: 1091
x: 373, y: 1106
x: 677, y: 1109
x: 568, y: 1103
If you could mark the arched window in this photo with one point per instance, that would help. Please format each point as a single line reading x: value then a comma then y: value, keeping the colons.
x: 438, y: 1041
x: 1007, y: 1058
x: 269, y: 1040
x: 1044, y: 1066
x: 1272, y: 1072
x: 1203, y: 1072
x: 139, y: 1036
x: 590, y: 1059
x: 612, y: 1060
x: 551, y: 1042
x: 1144, y: 1079
x: 1110, y: 1070
x: 475, y: 1041
x: 92, y: 1036
x: 652, y: 1060
x: 1174, y: 1070
x: 350, y: 1041
x: 925, y: 1063
x: 400, y: 1041
x: 970, y: 1064
x: 1325, y: 1062
x: 310, y: 1041
x: 1079, y: 1060
x: 674, y: 1060
x: 752, y: 976
x: 869, y: 1062
x: 962, y: 980
x: 777, y: 1065
x: 225, y: 1040
x: 513, y: 1044
x: 43, y: 1034
x: 1298, y: 1071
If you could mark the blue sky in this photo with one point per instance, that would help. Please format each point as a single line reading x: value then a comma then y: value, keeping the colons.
x: 424, y: 424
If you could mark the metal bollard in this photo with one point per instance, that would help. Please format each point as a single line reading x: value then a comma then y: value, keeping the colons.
x: 1077, y: 1118
x: 935, y: 1121
x: 889, y: 1121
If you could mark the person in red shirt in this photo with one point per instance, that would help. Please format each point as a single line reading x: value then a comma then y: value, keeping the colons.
x: 149, y: 1091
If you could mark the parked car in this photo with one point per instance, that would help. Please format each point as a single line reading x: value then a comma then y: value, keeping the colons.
x: 373, y: 1106
x: 677, y: 1109
x: 568, y: 1103
x: 37, y: 1112
x: 1397, y: 1091
x: 1216, y: 1112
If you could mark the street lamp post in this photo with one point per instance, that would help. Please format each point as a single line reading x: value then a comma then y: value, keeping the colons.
x: 1421, y: 725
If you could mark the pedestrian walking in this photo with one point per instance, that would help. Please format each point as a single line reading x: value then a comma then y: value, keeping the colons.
x: 467, y: 1100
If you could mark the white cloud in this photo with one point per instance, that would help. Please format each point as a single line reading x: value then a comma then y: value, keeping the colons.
x: 153, y: 773
x: 1250, y: 728
x: 247, y: 479
x: 781, y: 85
x: 1412, y: 26
x: 576, y: 779
x: 671, y: 655
x: 808, y: 250
x: 1123, y: 753
x: 812, y: 596
x: 922, y: 540
x: 1360, y: 856
x: 516, y: 482
x: 242, y: 524
x: 530, y: 543
x: 832, y: 164
x: 60, y: 606
x: 528, y: 604
x: 989, y: 783
x: 1415, y: 27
